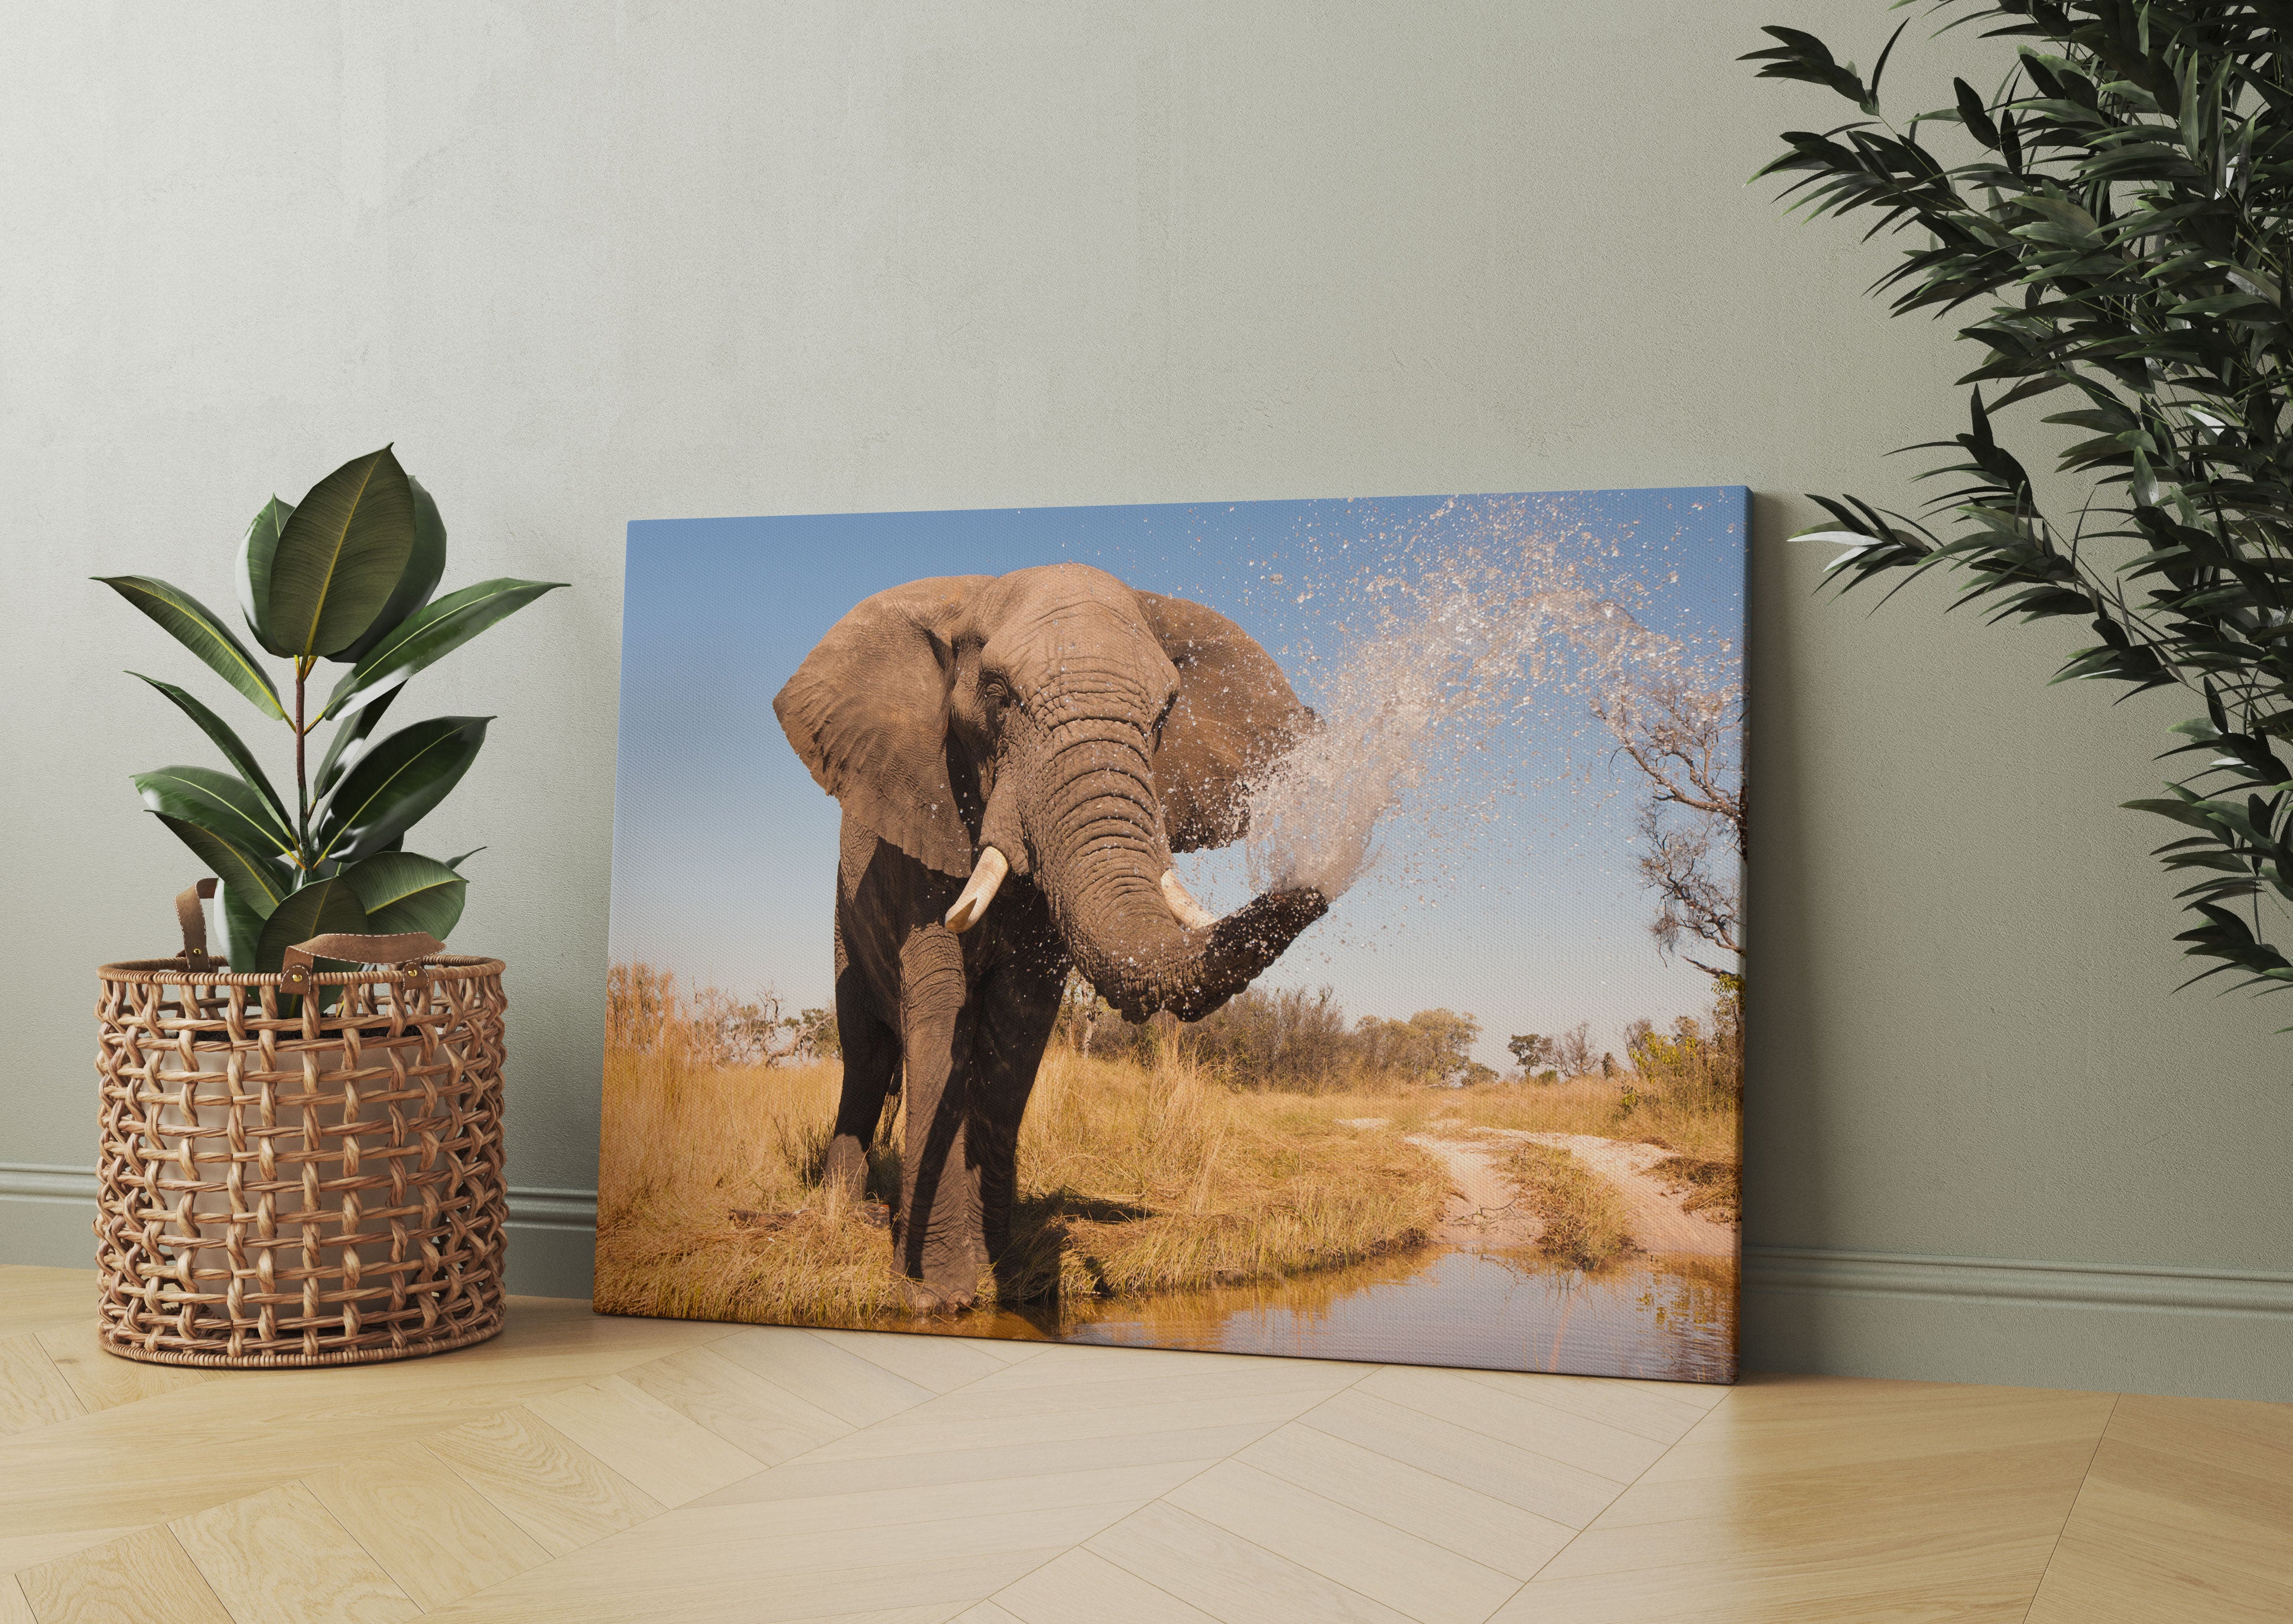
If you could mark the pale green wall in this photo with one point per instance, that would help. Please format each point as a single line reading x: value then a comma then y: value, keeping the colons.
x: 586, y: 263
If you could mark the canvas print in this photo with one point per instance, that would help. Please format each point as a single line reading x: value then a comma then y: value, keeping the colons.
x: 1309, y: 928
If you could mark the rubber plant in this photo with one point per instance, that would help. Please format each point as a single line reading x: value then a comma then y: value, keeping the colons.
x: 2110, y: 224
x: 346, y: 576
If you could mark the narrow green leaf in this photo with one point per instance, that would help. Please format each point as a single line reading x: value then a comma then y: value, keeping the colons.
x: 424, y: 566
x: 403, y: 891
x: 1870, y: 103
x: 261, y: 880
x: 456, y: 863
x: 218, y: 802
x: 195, y: 627
x: 429, y: 636
x: 256, y: 548
x: 1974, y: 116
x: 234, y: 749
x: 395, y: 784
x: 341, y: 556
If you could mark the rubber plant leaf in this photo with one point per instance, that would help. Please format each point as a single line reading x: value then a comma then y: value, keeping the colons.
x: 396, y: 783
x: 340, y: 556
x: 256, y: 548
x: 403, y: 891
x: 320, y: 908
x: 349, y: 744
x: 218, y: 802
x: 260, y: 882
x: 423, y: 565
x: 242, y: 927
x: 195, y: 626
x: 233, y: 747
x: 428, y: 635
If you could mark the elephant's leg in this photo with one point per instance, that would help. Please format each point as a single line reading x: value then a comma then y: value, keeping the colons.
x: 871, y: 1060
x: 937, y: 1238
x: 1018, y: 1008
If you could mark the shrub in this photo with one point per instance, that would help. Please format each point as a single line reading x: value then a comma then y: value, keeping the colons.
x: 1694, y: 1066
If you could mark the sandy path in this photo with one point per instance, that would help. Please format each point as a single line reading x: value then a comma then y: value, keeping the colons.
x: 1484, y: 1210
x: 1658, y: 1222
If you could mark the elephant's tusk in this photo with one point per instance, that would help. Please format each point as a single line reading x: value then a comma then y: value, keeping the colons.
x: 986, y: 876
x: 1184, y: 908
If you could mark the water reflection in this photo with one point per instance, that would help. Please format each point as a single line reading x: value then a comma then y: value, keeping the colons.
x: 1670, y: 1319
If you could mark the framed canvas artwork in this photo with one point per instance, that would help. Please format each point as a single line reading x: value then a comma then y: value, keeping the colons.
x: 1307, y: 928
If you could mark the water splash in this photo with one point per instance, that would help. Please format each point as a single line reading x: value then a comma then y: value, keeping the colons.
x: 1492, y: 633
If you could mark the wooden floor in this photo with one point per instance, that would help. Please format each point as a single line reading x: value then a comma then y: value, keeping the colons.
x: 621, y: 1470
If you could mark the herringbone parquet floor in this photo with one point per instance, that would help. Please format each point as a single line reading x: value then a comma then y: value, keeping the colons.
x: 626, y: 1470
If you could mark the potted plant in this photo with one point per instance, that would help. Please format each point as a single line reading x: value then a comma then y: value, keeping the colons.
x: 346, y: 576
x: 301, y: 1152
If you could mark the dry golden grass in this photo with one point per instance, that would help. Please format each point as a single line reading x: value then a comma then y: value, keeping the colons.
x: 1585, y: 1221
x: 683, y: 1146
x: 1582, y: 1105
x: 1595, y: 1106
x: 1134, y: 1176
x: 1715, y: 1186
x: 1132, y: 1179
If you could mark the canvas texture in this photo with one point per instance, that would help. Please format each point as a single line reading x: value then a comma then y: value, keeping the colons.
x: 1310, y: 928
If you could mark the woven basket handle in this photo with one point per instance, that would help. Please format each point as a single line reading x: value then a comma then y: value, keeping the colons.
x: 296, y: 965
x: 193, y: 919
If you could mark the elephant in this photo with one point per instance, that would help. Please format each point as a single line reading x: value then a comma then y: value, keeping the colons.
x: 1017, y: 757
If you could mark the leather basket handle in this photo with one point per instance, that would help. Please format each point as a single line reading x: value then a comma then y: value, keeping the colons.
x: 193, y: 921
x: 295, y: 964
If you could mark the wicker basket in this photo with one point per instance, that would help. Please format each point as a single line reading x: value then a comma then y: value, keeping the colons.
x: 292, y: 1176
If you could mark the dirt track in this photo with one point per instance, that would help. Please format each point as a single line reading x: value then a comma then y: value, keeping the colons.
x: 1658, y: 1224
x: 1485, y: 1211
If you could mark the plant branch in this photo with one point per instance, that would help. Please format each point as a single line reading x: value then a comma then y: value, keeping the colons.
x: 302, y: 780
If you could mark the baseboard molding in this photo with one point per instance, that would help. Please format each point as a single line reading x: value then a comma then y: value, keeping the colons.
x: 2137, y: 1327
x: 1825, y: 1271
x: 551, y: 1231
x: 534, y: 1206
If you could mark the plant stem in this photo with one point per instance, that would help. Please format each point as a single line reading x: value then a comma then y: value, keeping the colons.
x: 302, y: 785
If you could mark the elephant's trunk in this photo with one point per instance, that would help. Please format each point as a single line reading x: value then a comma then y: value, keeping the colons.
x: 1102, y: 861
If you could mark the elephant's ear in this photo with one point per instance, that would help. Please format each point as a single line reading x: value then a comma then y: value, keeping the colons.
x: 1233, y: 715
x: 868, y: 712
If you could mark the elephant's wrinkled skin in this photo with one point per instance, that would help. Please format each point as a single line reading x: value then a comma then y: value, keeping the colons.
x: 1058, y: 722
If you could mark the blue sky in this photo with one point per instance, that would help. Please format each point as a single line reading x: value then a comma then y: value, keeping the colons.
x: 1509, y: 893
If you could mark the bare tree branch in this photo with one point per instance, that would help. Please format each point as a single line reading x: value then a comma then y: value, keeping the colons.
x: 1684, y: 739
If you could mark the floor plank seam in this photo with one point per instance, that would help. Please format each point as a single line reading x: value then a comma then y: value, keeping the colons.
x: 1725, y: 1400
x: 669, y: 1510
x: 1401, y: 1403
x: 2048, y: 1567
x: 1300, y: 1419
x: 352, y: 1535
x: 1239, y: 1540
x: 168, y: 1532
x: 1211, y: 1465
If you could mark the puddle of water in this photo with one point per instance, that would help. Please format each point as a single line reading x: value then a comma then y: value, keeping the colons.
x: 1664, y: 1318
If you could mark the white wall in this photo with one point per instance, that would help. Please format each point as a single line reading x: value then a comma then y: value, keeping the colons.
x: 586, y: 263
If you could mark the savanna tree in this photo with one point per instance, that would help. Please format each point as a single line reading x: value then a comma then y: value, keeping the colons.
x: 1684, y: 732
